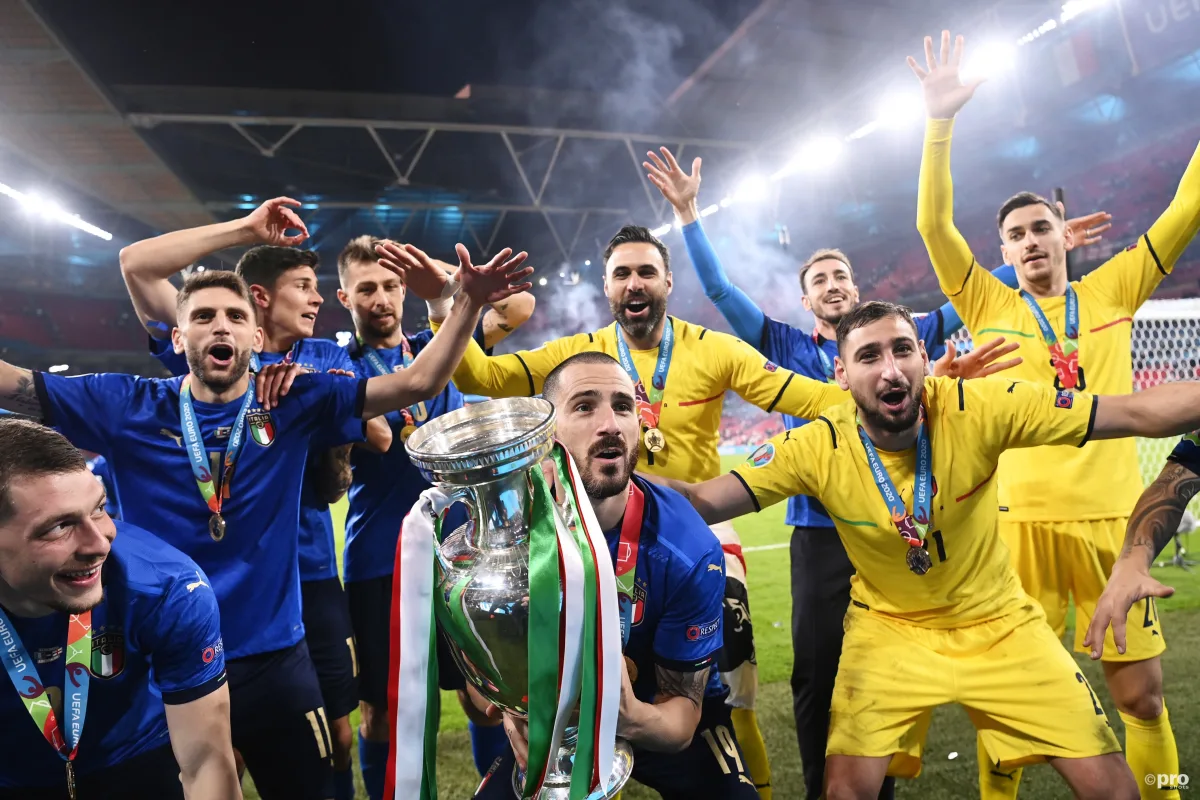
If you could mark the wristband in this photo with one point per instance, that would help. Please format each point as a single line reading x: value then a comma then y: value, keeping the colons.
x: 451, y: 287
x: 439, y: 309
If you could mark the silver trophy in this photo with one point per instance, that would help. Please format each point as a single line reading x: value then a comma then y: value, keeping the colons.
x: 481, y: 456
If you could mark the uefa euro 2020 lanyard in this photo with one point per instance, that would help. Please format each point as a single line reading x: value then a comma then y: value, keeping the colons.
x: 626, y: 566
x: 76, y: 679
x: 649, y: 401
x: 288, y: 358
x: 1064, y: 353
x: 214, y: 494
x: 826, y: 361
x: 414, y: 413
x: 913, y: 527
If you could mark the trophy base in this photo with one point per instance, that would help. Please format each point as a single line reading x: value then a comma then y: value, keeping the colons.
x: 557, y: 785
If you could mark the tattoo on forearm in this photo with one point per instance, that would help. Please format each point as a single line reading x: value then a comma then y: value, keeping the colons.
x: 505, y: 328
x: 1156, y: 516
x: 23, y: 399
x: 681, y: 684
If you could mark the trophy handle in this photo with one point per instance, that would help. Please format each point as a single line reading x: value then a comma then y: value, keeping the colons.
x: 454, y: 495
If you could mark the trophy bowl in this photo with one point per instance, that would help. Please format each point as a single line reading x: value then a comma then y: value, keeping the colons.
x: 482, y: 455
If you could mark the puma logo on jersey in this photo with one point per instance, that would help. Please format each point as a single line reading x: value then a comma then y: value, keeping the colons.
x: 175, y: 437
x: 714, y: 567
x: 1012, y: 386
x: 191, y: 587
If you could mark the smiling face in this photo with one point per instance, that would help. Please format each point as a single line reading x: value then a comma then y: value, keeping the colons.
x: 1035, y: 241
x: 883, y: 365
x: 216, y: 332
x: 637, y: 282
x: 829, y: 290
x: 597, y: 422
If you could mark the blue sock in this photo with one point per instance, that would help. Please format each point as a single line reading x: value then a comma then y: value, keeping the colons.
x: 343, y: 784
x: 487, y: 744
x: 373, y: 758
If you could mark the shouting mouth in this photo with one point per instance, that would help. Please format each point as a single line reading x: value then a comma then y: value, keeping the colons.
x: 637, y: 308
x: 894, y: 400
x: 221, y: 354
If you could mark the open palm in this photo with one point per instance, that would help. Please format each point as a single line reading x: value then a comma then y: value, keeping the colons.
x: 494, y: 281
x: 943, y: 87
x: 677, y: 186
x: 421, y: 274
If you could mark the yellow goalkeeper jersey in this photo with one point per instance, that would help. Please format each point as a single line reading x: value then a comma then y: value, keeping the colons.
x: 970, y: 424
x: 704, y: 364
x: 1101, y: 480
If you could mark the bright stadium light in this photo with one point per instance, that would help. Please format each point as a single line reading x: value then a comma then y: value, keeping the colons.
x: 51, y: 210
x: 753, y: 188
x: 541, y: 281
x: 661, y: 230
x: 899, y: 110
x: 1073, y: 8
x: 343, y: 338
x: 989, y: 60
x: 726, y: 202
x: 714, y: 208
x: 587, y: 263
x: 59, y: 368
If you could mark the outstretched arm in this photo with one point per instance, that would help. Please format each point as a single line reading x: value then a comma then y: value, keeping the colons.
x: 1169, y: 409
x: 17, y: 392
x: 505, y: 317
x: 716, y: 500
x: 680, y: 190
x: 147, y: 266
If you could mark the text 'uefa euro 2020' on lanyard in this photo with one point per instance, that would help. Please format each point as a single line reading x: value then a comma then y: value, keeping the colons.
x: 413, y: 414
x: 826, y: 361
x: 913, y: 527
x: 22, y: 671
x: 649, y: 400
x: 214, y: 494
x: 626, y: 566
x: 1064, y: 352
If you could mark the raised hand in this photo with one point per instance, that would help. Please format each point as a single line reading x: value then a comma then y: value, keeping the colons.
x: 1088, y: 229
x: 495, y: 280
x: 422, y: 275
x: 677, y: 186
x: 1127, y: 585
x: 945, y: 93
x: 271, y: 221
x: 979, y: 363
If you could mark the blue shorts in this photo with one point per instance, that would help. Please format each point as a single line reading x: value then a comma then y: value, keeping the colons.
x: 279, y: 724
x: 712, y: 766
x: 330, y: 639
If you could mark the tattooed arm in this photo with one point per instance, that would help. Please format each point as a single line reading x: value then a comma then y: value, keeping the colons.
x: 1152, y: 525
x: 505, y: 317
x: 669, y: 723
x: 17, y: 392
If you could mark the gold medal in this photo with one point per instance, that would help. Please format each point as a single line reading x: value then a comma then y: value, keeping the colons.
x: 70, y: 780
x: 407, y: 431
x: 654, y: 439
x: 631, y: 668
x: 216, y: 527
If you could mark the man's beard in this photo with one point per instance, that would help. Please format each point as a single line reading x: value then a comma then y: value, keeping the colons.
x: 892, y: 424
x: 379, y: 329
x: 196, y: 358
x: 639, y: 328
x: 603, y: 484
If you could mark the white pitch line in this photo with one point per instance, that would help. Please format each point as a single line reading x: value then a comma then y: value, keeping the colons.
x: 761, y: 547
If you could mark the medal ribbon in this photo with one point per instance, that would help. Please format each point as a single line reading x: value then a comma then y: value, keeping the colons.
x: 410, y: 414
x: 648, y: 401
x: 289, y: 357
x: 198, y: 456
x: 1064, y: 354
x: 826, y: 362
x: 24, y: 676
x: 627, y: 554
x: 915, y: 526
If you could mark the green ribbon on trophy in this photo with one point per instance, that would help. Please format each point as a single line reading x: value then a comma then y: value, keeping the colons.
x: 572, y: 589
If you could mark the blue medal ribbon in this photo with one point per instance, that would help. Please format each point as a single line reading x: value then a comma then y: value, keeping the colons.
x: 912, y: 527
x: 197, y: 454
x: 826, y: 362
x: 1071, y: 331
x: 413, y: 413
x: 649, y: 401
x: 292, y: 355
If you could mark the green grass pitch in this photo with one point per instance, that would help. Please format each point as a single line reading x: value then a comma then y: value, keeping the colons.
x: 949, y: 764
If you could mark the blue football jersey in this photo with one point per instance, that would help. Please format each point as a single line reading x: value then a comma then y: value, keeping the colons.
x: 134, y: 422
x: 156, y: 637
x: 1187, y: 452
x: 386, y: 486
x: 794, y: 349
x: 99, y: 467
x: 678, y: 592
x: 318, y: 558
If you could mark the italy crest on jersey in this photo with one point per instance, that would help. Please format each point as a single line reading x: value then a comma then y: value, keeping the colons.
x: 108, y: 654
x: 262, y: 428
x: 639, y: 603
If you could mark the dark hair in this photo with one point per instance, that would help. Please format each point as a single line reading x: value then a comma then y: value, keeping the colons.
x: 213, y: 279
x: 265, y: 264
x: 824, y: 254
x: 636, y: 233
x: 550, y: 385
x: 871, y: 311
x: 28, y: 449
x: 358, y: 249
x: 1022, y: 199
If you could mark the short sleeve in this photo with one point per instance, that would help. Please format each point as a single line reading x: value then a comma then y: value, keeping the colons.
x: 1187, y: 453
x: 788, y: 464
x: 688, y: 635
x: 164, y: 351
x: 89, y: 410
x: 1015, y: 413
x: 779, y: 341
x: 337, y: 409
x: 183, y: 637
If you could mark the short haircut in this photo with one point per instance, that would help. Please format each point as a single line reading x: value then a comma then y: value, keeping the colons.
x: 1022, y: 199
x: 358, y: 249
x: 871, y: 311
x: 265, y: 265
x: 30, y: 450
x: 824, y: 254
x: 636, y: 233
x: 550, y: 386
x: 213, y: 279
